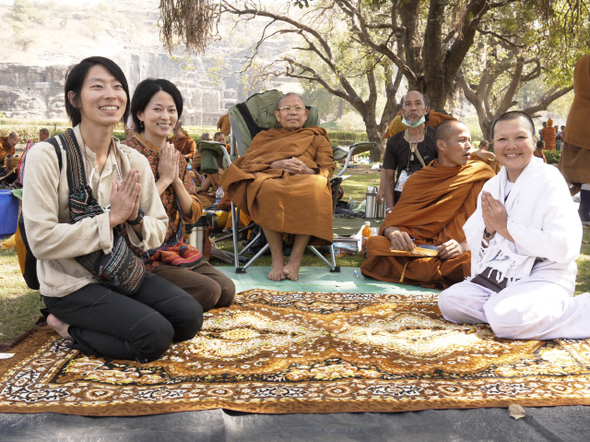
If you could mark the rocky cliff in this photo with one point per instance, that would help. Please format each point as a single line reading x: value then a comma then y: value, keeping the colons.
x: 48, y: 37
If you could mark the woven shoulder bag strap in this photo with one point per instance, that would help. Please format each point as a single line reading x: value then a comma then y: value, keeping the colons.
x: 76, y: 172
x: 82, y: 203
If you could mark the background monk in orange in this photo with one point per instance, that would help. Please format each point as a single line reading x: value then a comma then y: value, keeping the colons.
x: 422, y: 241
x: 283, y: 183
x: 183, y: 142
x: 548, y: 133
x: 7, y: 145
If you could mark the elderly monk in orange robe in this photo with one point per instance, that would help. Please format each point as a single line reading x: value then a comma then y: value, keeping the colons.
x: 422, y: 241
x: 283, y: 183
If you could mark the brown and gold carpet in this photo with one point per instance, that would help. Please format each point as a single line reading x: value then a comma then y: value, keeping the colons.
x: 301, y: 352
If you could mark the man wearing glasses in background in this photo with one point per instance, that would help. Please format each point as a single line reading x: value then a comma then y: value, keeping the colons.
x: 283, y: 183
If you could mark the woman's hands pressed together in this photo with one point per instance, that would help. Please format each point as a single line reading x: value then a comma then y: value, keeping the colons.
x: 168, y: 164
x: 494, y: 215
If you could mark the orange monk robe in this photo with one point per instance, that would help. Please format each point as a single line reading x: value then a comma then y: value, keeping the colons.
x: 576, y: 128
x: 5, y: 149
x: 277, y: 200
x: 548, y: 134
x: 494, y: 164
x: 223, y: 125
x: 434, y: 119
x: 435, y: 204
x: 185, y: 145
x: 539, y: 154
x: 574, y: 162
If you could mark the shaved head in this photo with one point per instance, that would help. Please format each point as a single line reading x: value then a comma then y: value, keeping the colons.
x: 453, y: 143
x: 290, y: 94
x: 446, y: 129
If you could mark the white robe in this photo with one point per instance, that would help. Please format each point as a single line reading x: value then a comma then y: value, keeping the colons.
x: 537, y: 302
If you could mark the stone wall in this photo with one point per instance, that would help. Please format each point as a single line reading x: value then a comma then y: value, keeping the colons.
x: 33, y: 92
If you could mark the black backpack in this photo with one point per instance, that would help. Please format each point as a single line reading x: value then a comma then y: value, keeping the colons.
x: 30, y: 270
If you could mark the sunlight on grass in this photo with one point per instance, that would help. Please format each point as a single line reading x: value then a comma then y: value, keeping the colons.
x: 583, y: 278
x: 19, y: 306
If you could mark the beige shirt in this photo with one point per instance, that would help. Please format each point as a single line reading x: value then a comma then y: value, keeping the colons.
x: 53, y: 240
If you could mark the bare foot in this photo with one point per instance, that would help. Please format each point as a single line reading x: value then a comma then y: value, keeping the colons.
x: 59, y: 326
x: 291, y: 270
x: 276, y: 274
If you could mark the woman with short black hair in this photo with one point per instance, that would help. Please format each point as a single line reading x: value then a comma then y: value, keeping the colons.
x: 156, y: 108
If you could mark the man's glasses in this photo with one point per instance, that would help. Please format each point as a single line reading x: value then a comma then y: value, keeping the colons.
x: 290, y: 109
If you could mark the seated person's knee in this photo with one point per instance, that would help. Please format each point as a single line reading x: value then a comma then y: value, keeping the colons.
x: 448, y: 306
x: 206, y: 294
x: 506, y: 320
x: 189, y: 321
x: 228, y: 293
x: 154, y: 339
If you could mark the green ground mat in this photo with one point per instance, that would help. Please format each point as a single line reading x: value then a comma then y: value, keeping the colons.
x: 318, y: 279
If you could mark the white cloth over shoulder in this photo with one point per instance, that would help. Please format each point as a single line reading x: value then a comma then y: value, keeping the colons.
x: 543, y: 221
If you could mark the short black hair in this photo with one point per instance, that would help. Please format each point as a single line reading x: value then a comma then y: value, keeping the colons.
x: 75, y: 79
x: 217, y: 134
x: 513, y: 115
x: 44, y: 130
x: 445, y: 130
x: 144, y: 93
x: 540, y: 143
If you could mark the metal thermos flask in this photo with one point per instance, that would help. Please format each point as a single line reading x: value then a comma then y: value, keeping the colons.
x: 380, y: 211
x: 196, y: 233
x: 371, y: 202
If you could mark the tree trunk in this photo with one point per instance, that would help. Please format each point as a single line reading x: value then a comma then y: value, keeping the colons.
x: 375, y: 135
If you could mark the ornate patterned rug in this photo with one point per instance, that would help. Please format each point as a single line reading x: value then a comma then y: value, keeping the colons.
x: 300, y: 352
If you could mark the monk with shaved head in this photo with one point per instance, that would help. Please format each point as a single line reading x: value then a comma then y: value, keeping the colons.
x: 422, y: 241
x: 283, y: 183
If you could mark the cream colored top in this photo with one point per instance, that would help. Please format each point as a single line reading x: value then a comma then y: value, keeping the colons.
x: 53, y: 240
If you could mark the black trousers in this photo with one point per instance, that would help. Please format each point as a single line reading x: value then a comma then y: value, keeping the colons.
x: 106, y: 323
x: 584, y: 209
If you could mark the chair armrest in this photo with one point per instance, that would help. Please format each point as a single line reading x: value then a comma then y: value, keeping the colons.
x: 356, y: 149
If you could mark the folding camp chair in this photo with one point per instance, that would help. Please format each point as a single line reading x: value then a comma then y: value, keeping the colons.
x: 253, y: 116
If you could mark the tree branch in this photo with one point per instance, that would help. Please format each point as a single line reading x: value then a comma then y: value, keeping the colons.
x: 548, y: 98
x: 501, y: 38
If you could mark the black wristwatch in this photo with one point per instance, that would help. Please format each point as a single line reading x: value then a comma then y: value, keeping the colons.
x: 139, y: 218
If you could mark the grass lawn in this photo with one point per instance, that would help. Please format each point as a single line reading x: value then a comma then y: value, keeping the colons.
x: 19, y: 306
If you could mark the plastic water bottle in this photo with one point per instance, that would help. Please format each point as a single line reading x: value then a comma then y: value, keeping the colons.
x: 219, y: 194
x: 366, y: 234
